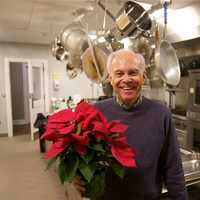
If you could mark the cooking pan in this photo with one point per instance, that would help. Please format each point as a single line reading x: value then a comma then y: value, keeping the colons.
x: 166, y: 60
x: 167, y: 63
x: 133, y: 19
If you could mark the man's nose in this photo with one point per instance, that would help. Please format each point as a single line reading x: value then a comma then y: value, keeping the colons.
x: 127, y: 78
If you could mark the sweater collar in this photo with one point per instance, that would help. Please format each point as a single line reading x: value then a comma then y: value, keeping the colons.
x: 134, y: 105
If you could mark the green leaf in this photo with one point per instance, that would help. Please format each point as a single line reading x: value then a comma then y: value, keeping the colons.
x: 87, y: 170
x: 50, y: 162
x: 118, y: 169
x: 97, y: 185
x: 72, y: 163
x: 98, y: 147
x: 88, y: 157
x: 78, y: 130
x: 62, y: 172
x: 68, y: 167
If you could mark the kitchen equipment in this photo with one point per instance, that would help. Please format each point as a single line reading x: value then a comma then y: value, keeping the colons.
x: 191, y: 166
x: 167, y: 63
x: 94, y: 61
x: 194, y: 94
x: 143, y: 46
x: 58, y: 50
x: 89, y: 66
x: 194, y: 135
x: 193, y: 112
x: 181, y: 124
x: 133, y: 20
x: 74, y: 38
x: 189, y: 63
x: 166, y: 60
x: 72, y: 71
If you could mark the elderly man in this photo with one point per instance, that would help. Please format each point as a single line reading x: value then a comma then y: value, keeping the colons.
x: 151, y: 133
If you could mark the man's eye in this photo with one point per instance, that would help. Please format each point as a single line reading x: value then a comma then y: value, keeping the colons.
x: 118, y: 74
x: 134, y: 73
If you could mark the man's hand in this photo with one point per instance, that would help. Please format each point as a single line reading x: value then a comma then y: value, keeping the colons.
x: 79, y: 185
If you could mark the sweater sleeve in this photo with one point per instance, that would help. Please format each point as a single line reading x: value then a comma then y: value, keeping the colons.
x: 172, y: 165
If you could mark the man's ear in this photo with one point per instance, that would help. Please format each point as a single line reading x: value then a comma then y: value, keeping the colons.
x: 144, y: 77
x: 110, y: 78
x: 145, y: 74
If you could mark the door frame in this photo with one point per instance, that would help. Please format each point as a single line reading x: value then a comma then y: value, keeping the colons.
x: 9, y: 116
x: 45, y: 92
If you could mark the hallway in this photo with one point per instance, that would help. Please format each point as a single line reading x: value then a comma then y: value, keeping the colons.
x: 22, y: 172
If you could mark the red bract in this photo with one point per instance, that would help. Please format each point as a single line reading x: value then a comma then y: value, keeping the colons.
x: 62, y: 116
x: 84, y: 107
x: 74, y: 129
x: 122, y: 152
x: 116, y: 126
x: 57, y: 148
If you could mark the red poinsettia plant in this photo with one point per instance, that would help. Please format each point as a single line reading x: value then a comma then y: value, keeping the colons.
x: 85, y: 144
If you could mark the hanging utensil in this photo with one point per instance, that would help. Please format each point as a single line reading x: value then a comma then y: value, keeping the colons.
x: 132, y: 20
x: 94, y: 61
x: 74, y: 38
x: 166, y: 60
x: 58, y: 50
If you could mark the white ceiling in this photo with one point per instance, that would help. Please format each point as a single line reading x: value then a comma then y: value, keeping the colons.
x: 39, y: 21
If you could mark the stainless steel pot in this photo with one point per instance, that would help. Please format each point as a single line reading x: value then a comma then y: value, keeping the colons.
x: 142, y: 45
x: 74, y: 38
x: 58, y: 50
x: 133, y: 19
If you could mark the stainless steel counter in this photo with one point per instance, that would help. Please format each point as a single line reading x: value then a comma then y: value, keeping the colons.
x: 181, y: 117
x: 191, y: 166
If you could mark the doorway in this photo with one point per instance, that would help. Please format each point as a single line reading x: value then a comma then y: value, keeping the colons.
x: 26, y: 86
x: 19, y: 98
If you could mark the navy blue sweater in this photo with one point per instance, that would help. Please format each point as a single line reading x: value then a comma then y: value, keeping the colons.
x: 151, y: 133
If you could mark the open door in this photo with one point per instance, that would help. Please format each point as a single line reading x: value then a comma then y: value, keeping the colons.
x: 37, y: 89
x: 36, y: 77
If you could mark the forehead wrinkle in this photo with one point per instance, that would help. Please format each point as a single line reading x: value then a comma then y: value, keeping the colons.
x: 125, y: 59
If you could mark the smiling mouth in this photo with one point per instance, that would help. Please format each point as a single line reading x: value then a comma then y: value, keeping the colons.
x: 128, y: 88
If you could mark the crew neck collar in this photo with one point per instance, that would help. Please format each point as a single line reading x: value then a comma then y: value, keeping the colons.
x: 134, y: 105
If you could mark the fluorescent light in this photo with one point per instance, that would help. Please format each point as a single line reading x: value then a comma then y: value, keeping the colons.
x: 146, y: 6
x: 127, y: 42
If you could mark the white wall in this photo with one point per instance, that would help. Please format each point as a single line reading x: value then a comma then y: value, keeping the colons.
x: 80, y: 85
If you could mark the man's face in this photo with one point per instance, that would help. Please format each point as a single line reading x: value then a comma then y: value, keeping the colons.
x: 126, y: 78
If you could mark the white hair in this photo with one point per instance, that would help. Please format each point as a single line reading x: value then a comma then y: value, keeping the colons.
x: 138, y: 59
